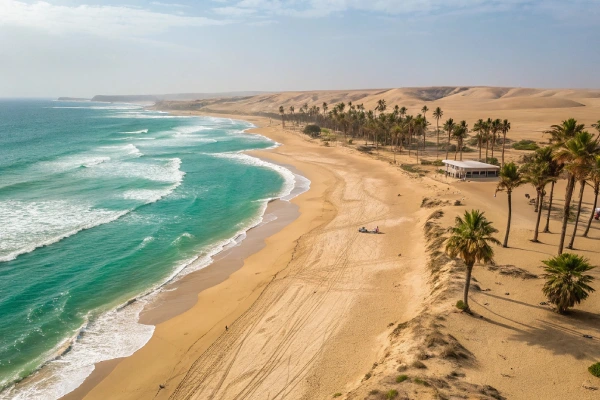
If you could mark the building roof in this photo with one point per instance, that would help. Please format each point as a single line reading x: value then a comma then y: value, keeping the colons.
x: 469, y: 164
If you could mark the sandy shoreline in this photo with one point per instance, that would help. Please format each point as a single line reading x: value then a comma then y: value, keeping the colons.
x: 291, y: 276
x: 180, y: 295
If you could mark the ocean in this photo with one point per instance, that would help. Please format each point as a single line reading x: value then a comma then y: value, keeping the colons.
x: 104, y: 203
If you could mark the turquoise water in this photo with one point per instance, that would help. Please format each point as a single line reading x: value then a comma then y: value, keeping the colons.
x: 100, y: 203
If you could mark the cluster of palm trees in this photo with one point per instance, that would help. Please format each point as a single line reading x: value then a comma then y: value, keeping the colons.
x: 398, y: 129
x: 573, y: 152
x: 471, y: 238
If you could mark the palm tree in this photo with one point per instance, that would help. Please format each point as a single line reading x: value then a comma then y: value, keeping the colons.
x: 424, y: 111
x: 505, y: 127
x: 597, y: 126
x: 510, y: 178
x: 460, y: 133
x: 470, y: 240
x: 537, y: 173
x: 565, y: 131
x: 479, y: 127
x: 566, y: 284
x: 449, y: 127
x: 381, y: 106
x: 488, y: 128
x: 578, y: 154
x: 325, y: 108
x: 495, y: 127
x: 595, y: 178
x: 554, y: 170
x: 292, y: 113
x: 282, y: 112
x: 437, y: 114
x: 403, y: 111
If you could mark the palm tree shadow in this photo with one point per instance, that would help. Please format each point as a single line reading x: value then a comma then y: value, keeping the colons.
x: 564, y: 339
x: 560, y: 334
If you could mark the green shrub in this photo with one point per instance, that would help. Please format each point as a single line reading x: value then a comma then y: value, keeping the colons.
x: 401, y: 378
x: 493, y: 161
x: 438, y: 163
x: 338, y: 394
x: 312, y: 130
x: 327, y: 143
x: 391, y: 394
x: 367, y: 376
x: 374, y: 391
x: 595, y: 369
x: 461, y: 305
x: 325, y: 130
x: 525, y: 145
x: 420, y: 381
x: 350, y: 141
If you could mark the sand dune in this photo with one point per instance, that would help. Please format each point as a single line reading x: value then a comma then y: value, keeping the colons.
x: 458, y: 98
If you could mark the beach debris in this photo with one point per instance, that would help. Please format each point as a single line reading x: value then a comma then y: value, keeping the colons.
x: 588, y: 336
x: 226, y: 328
x: 161, y: 386
x: 543, y: 303
x: 507, y: 294
x: 486, y: 304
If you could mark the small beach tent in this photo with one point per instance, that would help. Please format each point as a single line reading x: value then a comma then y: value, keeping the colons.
x: 470, y: 169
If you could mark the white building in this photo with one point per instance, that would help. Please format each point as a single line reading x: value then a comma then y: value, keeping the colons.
x: 470, y: 169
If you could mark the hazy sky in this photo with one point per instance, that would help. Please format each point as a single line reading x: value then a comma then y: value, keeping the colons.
x: 82, y: 48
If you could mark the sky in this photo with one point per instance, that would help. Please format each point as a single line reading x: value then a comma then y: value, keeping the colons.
x: 87, y: 47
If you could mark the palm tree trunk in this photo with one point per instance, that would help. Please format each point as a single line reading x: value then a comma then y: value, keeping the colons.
x: 448, y: 145
x: 487, y: 146
x: 493, y: 143
x: 437, y: 149
x: 480, y: 149
x: 596, y: 191
x: 539, y: 216
x: 505, y: 244
x: 567, y: 206
x: 503, y: 143
x: 467, y: 285
x: 461, y: 148
x: 547, y: 228
x: 572, y: 242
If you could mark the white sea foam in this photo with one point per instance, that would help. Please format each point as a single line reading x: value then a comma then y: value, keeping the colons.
x: 25, y: 226
x: 135, y: 132
x: 110, y: 336
x: 288, y: 176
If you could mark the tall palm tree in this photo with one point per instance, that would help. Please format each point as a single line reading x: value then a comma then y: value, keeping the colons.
x: 437, y: 114
x: 325, y: 108
x: 292, y: 113
x: 578, y: 154
x: 282, y: 112
x: 460, y: 133
x: 566, y: 282
x: 505, y: 127
x: 381, y: 105
x: 496, y: 126
x: 424, y: 112
x: 537, y: 173
x: 488, y: 129
x: 479, y: 127
x: 470, y: 240
x: 449, y: 127
x: 595, y: 179
x: 510, y: 178
x: 555, y: 169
